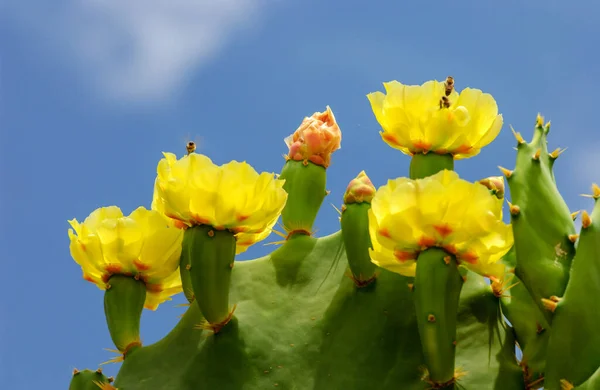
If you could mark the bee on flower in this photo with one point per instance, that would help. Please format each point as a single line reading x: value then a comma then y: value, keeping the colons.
x: 434, y: 117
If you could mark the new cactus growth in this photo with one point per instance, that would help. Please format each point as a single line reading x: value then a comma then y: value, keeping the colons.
x: 440, y: 290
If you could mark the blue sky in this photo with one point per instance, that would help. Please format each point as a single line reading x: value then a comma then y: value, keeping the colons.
x: 93, y: 92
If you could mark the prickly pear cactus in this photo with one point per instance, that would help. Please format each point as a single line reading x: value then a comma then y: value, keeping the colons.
x: 423, y: 287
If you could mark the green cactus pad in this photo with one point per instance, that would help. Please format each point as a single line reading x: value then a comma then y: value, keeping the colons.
x: 305, y: 184
x: 88, y: 380
x: 355, y: 232
x: 574, y: 347
x: 541, y: 222
x: 123, y: 305
x: 437, y: 291
x: 424, y: 165
x: 301, y: 323
x: 211, y: 253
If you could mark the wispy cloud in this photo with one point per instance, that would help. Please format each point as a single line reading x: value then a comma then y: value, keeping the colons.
x: 143, y: 50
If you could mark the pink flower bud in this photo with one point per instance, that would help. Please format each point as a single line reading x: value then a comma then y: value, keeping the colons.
x: 359, y: 190
x: 316, y: 139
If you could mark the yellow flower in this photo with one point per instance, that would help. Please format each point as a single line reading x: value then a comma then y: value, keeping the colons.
x: 409, y: 216
x: 422, y: 118
x: 195, y: 191
x: 144, y: 245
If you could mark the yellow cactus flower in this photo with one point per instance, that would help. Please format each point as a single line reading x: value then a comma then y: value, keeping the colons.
x: 433, y: 117
x: 409, y: 216
x: 195, y: 191
x: 316, y: 139
x: 144, y: 245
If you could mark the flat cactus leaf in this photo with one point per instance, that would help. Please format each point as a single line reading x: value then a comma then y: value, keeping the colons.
x: 574, y: 347
x: 301, y: 323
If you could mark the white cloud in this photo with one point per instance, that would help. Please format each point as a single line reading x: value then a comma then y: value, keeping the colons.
x: 143, y: 50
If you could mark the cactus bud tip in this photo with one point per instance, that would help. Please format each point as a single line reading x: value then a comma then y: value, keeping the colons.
x: 360, y: 189
x: 536, y: 155
x: 573, y: 237
x: 575, y: 214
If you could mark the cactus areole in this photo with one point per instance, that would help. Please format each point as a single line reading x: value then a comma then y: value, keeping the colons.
x: 423, y: 287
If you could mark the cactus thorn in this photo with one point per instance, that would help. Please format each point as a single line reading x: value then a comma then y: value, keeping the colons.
x: 500, y: 287
x: 552, y: 303
x: 536, y: 155
x: 566, y: 385
x: 595, y: 192
x: 327, y: 192
x: 110, y: 379
x: 338, y: 210
x: 188, y: 267
x: 216, y: 328
x: 447, y: 259
x: 586, y: 220
x: 539, y: 120
x: 211, y: 233
x: 573, y: 237
x: 99, y: 370
x: 75, y: 371
x: 535, y: 384
x: 513, y: 208
x: 575, y: 214
x: 104, y: 385
x: 431, y: 318
x: 557, y: 152
x: 506, y: 172
x: 411, y: 287
x: 517, y: 135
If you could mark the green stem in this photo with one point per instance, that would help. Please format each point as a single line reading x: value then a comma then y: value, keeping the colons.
x: 123, y: 305
x: 355, y: 233
x: 184, y: 268
x: 305, y: 185
x: 424, y: 165
x: 437, y: 290
x: 212, y: 254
